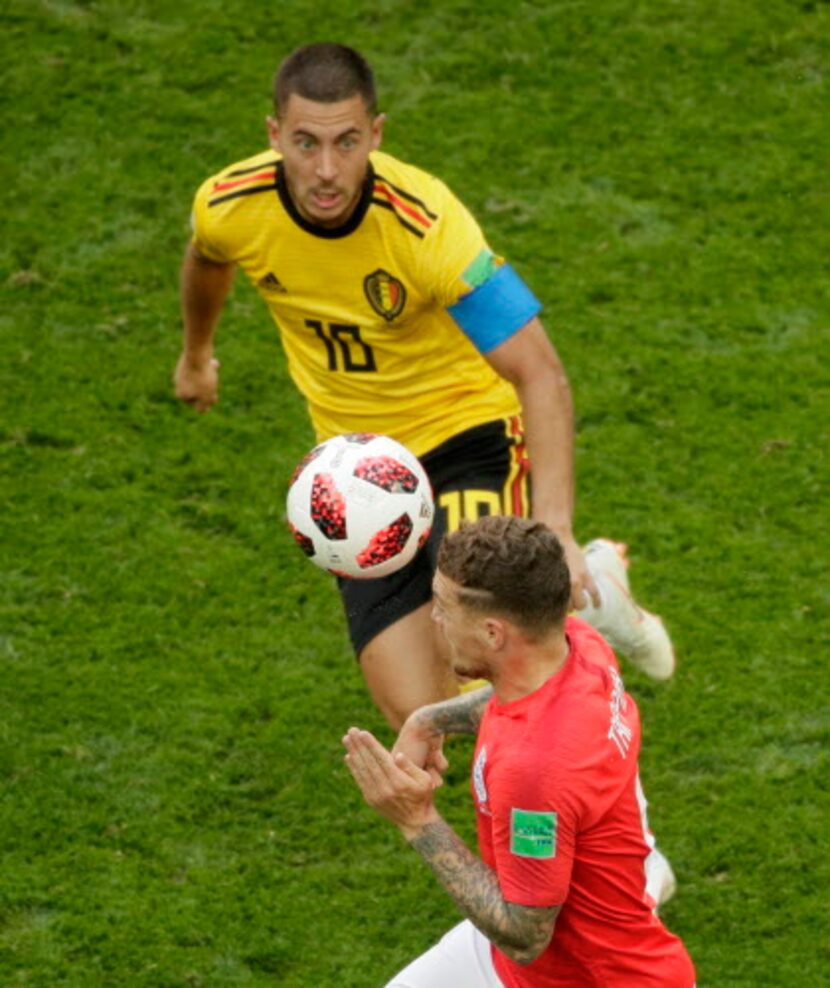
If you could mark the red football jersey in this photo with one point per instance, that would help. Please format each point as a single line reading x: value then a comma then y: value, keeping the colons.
x: 561, y: 819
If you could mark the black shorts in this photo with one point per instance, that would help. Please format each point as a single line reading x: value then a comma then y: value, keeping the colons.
x: 483, y: 471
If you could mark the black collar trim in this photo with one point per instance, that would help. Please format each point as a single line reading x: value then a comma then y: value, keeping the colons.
x: 326, y: 232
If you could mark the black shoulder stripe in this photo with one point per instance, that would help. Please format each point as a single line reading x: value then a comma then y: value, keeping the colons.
x: 255, y: 168
x: 388, y: 205
x: 241, y: 192
x: 407, y: 195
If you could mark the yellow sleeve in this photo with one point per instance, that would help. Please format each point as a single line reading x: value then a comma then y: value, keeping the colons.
x: 204, y: 227
x: 457, y: 258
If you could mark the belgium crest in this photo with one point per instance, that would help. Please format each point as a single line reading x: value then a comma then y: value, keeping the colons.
x: 386, y: 294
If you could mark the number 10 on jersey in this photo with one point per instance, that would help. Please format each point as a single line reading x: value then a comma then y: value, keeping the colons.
x: 345, y: 350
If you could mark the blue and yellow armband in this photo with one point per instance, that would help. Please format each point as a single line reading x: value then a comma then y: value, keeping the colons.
x: 496, y: 309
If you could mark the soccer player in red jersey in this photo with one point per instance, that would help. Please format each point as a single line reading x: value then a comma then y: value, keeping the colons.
x: 560, y: 896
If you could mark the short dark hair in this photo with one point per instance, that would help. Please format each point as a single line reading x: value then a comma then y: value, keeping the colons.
x: 513, y: 566
x: 326, y: 73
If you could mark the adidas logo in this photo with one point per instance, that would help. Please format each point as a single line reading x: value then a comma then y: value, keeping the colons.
x: 271, y: 283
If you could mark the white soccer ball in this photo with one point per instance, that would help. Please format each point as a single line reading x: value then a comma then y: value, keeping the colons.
x: 360, y: 505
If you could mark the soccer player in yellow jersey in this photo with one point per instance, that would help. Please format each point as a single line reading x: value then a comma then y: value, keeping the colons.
x: 397, y: 318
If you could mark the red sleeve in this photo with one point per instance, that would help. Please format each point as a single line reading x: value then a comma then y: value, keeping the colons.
x: 536, y: 815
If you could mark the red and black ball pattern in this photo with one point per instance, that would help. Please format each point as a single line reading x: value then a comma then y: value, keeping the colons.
x: 386, y: 543
x: 304, y: 462
x: 387, y: 473
x: 328, y: 507
x: 303, y: 541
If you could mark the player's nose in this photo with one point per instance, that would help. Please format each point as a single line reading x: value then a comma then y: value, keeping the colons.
x: 326, y: 165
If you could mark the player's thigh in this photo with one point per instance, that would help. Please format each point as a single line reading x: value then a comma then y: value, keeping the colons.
x: 371, y: 606
x: 405, y: 666
x: 461, y: 959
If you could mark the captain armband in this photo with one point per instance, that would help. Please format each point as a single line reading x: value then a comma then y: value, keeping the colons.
x: 498, y: 308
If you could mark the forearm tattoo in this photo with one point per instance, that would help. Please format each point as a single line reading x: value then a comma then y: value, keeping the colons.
x: 461, y: 715
x: 521, y: 932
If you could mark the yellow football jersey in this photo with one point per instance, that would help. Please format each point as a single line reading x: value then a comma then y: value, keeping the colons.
x: 361, y: 309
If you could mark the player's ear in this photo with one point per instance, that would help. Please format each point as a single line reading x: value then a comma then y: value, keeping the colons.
x: 273, y: 126
x: 377, y: 130
x: 494, y: 633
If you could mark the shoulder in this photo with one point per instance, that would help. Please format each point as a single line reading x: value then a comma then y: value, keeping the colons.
x: 599, y: 711
x: 589, y: 644
x: 414, y: 192
x: 240, y: 180
x: 591, y: 676
x: 408, y: 178
x: 230, y: 203
x: 574, y: 708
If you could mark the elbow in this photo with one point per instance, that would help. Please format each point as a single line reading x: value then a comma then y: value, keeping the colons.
x: 528, y: 953
x: 524, y: 957
x: 544, y: 378
x: 531, y: 932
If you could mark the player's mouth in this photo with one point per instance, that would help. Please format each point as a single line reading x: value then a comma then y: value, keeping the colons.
x: 327, y: 200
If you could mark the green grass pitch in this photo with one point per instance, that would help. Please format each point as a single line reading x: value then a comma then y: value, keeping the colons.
x: 175, y: 678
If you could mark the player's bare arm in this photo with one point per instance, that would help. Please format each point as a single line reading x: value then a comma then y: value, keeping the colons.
x: 422, y: 736
x: 529, y: 361
x: 521, y: 932
x: 403, y: 793
x: 460, y: 715
x: 204, y: 287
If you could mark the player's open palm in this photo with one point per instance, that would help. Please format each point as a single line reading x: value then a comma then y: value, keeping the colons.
x: 391, y: 784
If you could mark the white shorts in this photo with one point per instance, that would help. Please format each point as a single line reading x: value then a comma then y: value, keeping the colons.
x: 461, y: 958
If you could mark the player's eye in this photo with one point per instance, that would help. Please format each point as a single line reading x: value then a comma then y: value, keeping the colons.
x: 305, y: 143
x: 349, y: 142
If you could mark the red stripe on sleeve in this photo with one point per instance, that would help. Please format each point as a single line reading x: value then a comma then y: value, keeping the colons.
x: 404, y: 208
x: 219, y: 186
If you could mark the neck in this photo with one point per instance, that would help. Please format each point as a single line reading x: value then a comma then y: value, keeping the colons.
x: 530, y: 667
